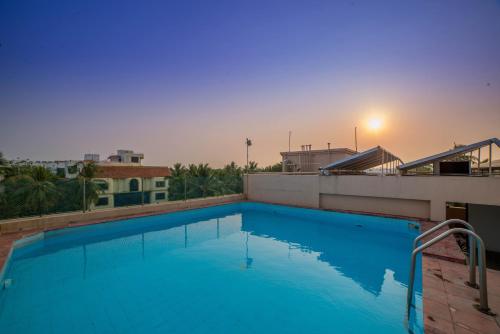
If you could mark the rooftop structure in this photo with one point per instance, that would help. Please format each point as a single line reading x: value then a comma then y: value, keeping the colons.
x: 126, y: 156
x: 457, y: 154
x: 309, y: 160
x: 376, y: 156
x: 91, y: 157
x: 495, y: 165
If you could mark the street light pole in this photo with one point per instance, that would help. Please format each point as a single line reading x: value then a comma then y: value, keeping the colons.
x: 248, y: 143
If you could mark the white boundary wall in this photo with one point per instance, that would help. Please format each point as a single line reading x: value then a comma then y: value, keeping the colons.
x: 421, y: 197
x: 412, y: 196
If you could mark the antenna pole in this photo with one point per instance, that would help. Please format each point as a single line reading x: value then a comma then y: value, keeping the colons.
x: 356, y: 138
x: 289, y: 140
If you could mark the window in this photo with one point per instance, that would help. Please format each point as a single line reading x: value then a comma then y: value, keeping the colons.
x: 160, y: 184
x: 101, y: 184
x: 159, y: 196
x: 134, y: 159
x: 134, y: 185
x: 102, y: 201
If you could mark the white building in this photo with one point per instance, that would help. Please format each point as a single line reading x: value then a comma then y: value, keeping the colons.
x: 126, y: 156
x: 64, y: 168
x: 91, y: 157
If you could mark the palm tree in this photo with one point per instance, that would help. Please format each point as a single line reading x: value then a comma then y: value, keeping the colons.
x: 277, y: 167
x: 252, y: 167
x: 202, y: 181
x: 36, y: 190
x: 3, y: 161
x: 232, y: 179
x: 89, y: 189
x: 5, y: 166
x: 176, y: 182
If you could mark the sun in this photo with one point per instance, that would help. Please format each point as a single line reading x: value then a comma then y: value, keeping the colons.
x: 375, y: 124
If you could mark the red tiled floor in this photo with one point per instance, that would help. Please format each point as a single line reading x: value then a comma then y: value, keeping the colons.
x: 456, y: 297
x: 446, y: 249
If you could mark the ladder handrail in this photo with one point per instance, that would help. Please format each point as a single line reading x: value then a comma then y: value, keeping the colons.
x: 472, y: 245
x: 440, y: 225
x: 483, y: 289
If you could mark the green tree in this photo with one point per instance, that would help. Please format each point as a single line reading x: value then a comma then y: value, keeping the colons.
x: 176, y: 182
x: 70, y: 195
x: 202, y: 181
x: 277, y: 167
x: 252, y: 167
x: 231, y: 178
x: 36, y: 191
x: 3, y: 164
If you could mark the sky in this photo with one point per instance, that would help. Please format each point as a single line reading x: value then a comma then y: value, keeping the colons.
x: 188, y: 81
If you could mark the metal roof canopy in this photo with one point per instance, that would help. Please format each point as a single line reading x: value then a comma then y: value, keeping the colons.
x: 448, y: 154
x: 364, y: 160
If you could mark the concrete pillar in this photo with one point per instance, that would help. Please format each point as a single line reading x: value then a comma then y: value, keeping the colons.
x: 438, y: 210
x: 435, y: 167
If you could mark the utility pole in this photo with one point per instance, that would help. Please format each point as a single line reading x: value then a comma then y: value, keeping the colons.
x: 248, y: 143
x: 142, y: 191
x: 356, y: 138
x: 84, y: 204
x: 289, y: 140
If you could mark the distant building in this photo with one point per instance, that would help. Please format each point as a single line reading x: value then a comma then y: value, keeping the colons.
x: 121, y: 180
x: 131, y: 185
x: 91, y: 157
x: 495, y: 166
x: 64, y: 168
x: 308, y: 160
x: 124, y: 181
x: 127, y: 157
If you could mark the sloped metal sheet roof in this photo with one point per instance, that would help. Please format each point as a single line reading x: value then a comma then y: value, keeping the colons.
x: 448, y: 154
x: 364, y: 160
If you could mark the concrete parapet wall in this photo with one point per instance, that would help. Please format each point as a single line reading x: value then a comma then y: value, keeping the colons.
x: 417, y: 192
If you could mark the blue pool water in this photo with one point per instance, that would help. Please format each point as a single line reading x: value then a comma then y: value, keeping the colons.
x: 237, y: 268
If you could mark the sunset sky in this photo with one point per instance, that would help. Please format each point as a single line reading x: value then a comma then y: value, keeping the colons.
x: 188, y: 81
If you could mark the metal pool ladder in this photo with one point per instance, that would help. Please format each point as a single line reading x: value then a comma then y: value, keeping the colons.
x: 474, y: 240
x: 472, y: 246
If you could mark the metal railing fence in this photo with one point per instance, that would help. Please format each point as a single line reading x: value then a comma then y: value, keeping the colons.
x: 23, y: 195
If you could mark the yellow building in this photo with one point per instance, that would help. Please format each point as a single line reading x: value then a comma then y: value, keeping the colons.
x: 122, y: 185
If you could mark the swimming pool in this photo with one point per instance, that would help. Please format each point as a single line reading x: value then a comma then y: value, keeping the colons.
x: 236, y: 268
